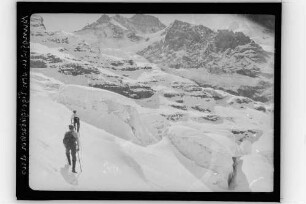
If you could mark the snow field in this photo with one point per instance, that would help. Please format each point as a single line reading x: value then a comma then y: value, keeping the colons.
x: 205, y: 153
x: 109, y: 163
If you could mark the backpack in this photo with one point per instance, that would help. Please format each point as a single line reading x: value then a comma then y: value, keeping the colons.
x: 69, y: 139
x: 76, y: 119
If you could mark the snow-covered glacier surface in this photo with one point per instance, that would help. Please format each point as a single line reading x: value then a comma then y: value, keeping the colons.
x: 162, y: 108
x: 109, y: 162
x: 116, y: 155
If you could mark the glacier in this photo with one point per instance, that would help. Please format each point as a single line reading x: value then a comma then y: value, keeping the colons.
x: 147, y: 126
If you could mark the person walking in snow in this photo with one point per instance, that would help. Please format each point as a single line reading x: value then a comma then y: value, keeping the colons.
x: 75, y: 120
x: 71, y: 142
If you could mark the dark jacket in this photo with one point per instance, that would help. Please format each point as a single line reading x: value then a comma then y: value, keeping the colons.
x: 70, y: 139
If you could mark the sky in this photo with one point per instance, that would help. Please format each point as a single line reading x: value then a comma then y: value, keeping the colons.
x: 73, y: 22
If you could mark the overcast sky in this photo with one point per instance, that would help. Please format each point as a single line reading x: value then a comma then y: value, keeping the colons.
x: 73, y: 22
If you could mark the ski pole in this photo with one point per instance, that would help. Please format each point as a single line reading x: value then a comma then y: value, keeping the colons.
x: 79, y: 153
x: 80, y: 161
x: 80, y: 146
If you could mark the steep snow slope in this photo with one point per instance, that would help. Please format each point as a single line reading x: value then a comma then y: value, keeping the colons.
x: 108, y: 163
x: 109, y: 111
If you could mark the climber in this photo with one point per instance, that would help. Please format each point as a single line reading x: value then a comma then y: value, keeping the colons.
x: 71, y: 142
x: 75, y: 120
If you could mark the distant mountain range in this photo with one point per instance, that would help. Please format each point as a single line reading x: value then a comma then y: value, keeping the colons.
x: 195, y: 46
x: 119, y: 27
x: 180, y: 46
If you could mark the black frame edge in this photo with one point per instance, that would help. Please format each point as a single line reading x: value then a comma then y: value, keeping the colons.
x: 24, y: 192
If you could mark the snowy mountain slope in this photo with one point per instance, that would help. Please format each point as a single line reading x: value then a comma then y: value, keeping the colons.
x: 204, y: 151
x: 108, y: 111
x: 47, y: 156
x: 108, y: 162
x: 172, y: 91
x: 45, y: 91
x: 175, y: 89
x: 259, y: 172
x: 205, y: 123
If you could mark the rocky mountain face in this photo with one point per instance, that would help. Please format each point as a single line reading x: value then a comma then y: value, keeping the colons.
x: 141, y: 23
x: 195, y: 46
x: 187, y: 46
x: 119, y: 27
x: 37, y: 25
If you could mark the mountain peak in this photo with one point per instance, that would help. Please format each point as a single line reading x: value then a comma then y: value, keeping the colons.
x: 120, y: 25
x: 118, y: 16
x: 137, y: 16
x: 36, y: 17
x: 141, y: 18
x: 104, y: 19
x: 37, y: 25
x: 177, y: 23
x: 146, y: 23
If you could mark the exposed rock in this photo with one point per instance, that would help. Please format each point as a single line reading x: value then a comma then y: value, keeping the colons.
x: 119, y: 27
x: 226, y: 39
x: 198, y: 108
x: 175, y: 117
x: 140, y: 23
x: 37, y: 26
x: 181, y: 107
x: 104, y: 19
x: 135, y: 92
x: 77, y: 69
x: 186, y: 46
x: 37, y: 64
